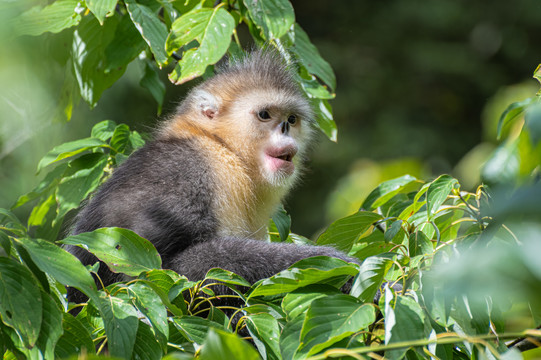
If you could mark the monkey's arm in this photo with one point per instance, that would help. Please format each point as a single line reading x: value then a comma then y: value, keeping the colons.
x: 252, y: 259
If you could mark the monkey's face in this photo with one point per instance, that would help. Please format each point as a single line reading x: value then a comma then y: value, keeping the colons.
x: 275, y: 126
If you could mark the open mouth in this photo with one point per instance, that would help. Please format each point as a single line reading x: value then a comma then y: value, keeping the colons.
x: 281, y: 159
x: 285, y: 157
x: 285, y: 153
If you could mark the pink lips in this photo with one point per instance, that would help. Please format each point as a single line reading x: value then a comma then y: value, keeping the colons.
x: 280, y: 159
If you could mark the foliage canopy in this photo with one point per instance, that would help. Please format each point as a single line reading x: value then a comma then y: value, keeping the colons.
x: 467, y: 261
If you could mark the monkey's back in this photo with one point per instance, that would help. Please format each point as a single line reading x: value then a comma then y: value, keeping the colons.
x: 163, y: 192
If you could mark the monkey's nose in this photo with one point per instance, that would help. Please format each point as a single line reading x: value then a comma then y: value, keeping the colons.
x: 284, y: 127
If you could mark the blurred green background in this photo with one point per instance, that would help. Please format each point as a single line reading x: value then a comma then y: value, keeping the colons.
x: 421, y: 85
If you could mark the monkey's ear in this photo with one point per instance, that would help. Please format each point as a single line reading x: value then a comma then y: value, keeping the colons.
x: 206, y: 103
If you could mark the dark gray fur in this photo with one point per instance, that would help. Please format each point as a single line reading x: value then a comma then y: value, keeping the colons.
x: 164, y: 192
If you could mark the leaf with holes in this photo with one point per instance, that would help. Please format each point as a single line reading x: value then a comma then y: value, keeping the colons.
x: 121, y: 249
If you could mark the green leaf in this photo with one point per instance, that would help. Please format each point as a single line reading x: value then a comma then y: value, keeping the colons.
x: 125, y: 46
x: 103, y: 130
x: 227, y: 277
x: 333, y: 318
x: 54, y: 18
x: 136, y: 140
x: 537, y: 73
x: 9, y: 222
x: 324, y: 118
x: 149, y: 304
x: 403, y: 322
x: 50, y: 181
x: 5, y: 243
x: 121, y: 324
x: 310, y: 58
x: 416, y: 205
x: 274, y: 17
x: 21, y: 305
x: 375, y: 248
x: 371, y: 275
x: 51, y: 326
x: 70, y: 149
x: 342, y: 233
x: 146, y: 347
x: 503, y: 165
x: 212, y: 28
x: 26, y: 260
x: 75, y: 188
x: 297, y: 302
x: 38, y: 216
x: 89, y: 63
x: 395, y: 233
x: 512, y: 112
x: 223, y: 345
x: 314, y: 89
x: 437, y: 193
x: 121, y: 249
x: 282, y: 222
x: 101, y: 8
x: 305, y: 272
x: 60, y: 264
x: 419, y: 244
x: 120, y: 138
x: 151, y: 81
x: 265, y: 333
x: 162, y: 284
x: 75, y: 339
x: 386, y: 191
x: 290, y: 341
x: 195, y: 328
x: 533, y: 123
x: 151, y: 28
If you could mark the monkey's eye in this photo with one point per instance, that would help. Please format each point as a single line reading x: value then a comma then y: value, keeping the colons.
x: 263, y: 115
x: 292, y: 119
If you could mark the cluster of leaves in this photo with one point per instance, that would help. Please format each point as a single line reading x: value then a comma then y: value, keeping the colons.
x: 404, y: 227
x: 429, y: 237
x: 187, y: 37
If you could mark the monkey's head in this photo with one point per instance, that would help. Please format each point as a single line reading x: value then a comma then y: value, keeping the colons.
x: 255, y: 108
